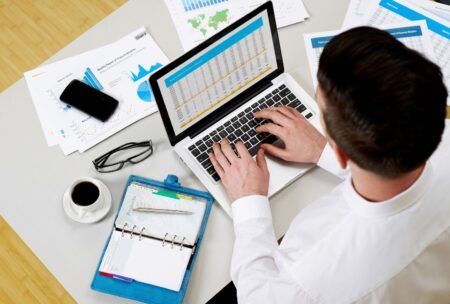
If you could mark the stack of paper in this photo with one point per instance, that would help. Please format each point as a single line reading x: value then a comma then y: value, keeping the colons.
x: 419, y: 24
x: 197, y: 20
x: 120, y: 69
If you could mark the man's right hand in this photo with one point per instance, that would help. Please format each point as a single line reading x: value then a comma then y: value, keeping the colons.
x: 302, y: 142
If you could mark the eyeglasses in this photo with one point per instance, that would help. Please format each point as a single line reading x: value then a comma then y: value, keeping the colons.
x: 115, y: 159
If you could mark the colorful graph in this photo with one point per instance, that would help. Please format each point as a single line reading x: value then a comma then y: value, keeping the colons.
x: 144, y: 92
x: 191, y: 5
x: 90, y: 79
x: 142, y: 72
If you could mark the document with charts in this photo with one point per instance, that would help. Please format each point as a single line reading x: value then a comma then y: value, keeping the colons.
x: 357, y: 9
x: 412, y: 34
x: 120, y: 69
x: 383, y: 13
x: 197, y: 20
x: 439, y: 9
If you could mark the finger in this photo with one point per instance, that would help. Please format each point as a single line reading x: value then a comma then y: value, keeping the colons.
x: 221, y: 159
x: 216, y: 165
x: 275, y: 151
x: 261, y: 161
x: 228, y: 151
x: 288, y: 111
x: 297, y: 113
x: 274, y: 115
x: 272, y: 129
x: 242, y: 150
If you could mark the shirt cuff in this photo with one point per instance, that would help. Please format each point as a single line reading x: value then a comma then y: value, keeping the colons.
x: 328, y: 161
x: 250, y: 207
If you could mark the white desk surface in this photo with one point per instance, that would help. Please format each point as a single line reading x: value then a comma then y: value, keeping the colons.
x: 33, y: 177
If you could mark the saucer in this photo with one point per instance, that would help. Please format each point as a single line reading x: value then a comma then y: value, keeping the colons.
x: 89, y: 217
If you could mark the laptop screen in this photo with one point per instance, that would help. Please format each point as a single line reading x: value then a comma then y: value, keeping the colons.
x: 218, y: 73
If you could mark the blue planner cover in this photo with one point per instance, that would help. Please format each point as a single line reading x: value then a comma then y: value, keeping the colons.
x: 145, y: 292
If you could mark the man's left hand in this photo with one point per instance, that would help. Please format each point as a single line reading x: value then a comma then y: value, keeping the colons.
x: 240, y: 174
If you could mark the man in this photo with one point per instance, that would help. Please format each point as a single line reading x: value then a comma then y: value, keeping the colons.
x: 382, y: 236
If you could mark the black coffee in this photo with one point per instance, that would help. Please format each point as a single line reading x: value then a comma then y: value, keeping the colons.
x: 85, y: 194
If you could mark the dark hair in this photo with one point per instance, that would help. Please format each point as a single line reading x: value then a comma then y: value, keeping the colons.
x: 385, y: 104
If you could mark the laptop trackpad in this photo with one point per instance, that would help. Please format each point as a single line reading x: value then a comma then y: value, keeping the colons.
x: 282, y: 173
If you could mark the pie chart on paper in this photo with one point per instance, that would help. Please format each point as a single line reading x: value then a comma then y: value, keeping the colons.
x: 144, y: 92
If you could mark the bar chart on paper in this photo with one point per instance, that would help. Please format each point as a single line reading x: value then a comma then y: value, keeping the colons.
x: 90, y: 79
x: 219, y: 74
x: 191, y: 5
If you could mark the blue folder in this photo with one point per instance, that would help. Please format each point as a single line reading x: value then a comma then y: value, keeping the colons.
x: 147, y: 293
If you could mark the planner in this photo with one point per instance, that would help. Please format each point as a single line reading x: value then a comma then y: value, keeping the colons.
x: 146, y: 261
x: 149, y: 256
x: 171, y: 227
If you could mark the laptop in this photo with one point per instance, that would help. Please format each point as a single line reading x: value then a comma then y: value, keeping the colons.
x: 212, y: 91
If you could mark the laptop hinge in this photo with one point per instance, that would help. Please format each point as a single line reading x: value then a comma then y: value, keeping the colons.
x: 258, y: 89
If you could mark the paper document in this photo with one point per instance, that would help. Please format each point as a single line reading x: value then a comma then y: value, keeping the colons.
x: 197, y: 20
x: 385, y: 12
x: 436, y: 8
x: 412, y: 34
x: 355, y: 13
x: 120, y: 69
x: 357, y: 9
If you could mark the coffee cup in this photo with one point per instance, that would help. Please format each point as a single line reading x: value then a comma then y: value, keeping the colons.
x: 86, y: 196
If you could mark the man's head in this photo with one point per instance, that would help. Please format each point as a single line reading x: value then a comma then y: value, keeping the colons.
x: 383, y: 104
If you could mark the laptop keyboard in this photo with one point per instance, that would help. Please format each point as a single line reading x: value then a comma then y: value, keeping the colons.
x: 242, y: 127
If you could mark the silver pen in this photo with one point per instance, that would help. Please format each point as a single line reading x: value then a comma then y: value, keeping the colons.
x: 165, y: 211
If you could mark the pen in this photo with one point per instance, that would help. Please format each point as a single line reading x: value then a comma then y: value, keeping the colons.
x: 116, y: 276
x: 165, y: 211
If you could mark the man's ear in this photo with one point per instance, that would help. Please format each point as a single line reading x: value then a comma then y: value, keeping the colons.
x: 340, y: 155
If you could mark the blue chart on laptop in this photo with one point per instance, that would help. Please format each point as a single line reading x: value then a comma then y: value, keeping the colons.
x: 143, y: 90
x: 214, y: 76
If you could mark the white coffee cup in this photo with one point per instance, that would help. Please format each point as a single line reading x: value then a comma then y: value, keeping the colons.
x: 86, y: 196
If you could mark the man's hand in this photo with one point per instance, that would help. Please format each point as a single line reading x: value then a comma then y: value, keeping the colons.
x: 302, y: 142
x: 240, y: 174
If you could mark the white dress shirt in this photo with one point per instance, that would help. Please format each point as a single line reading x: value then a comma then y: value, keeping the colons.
x: 344, y: 249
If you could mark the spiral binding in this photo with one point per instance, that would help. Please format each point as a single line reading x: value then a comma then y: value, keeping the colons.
x: 164, y: 240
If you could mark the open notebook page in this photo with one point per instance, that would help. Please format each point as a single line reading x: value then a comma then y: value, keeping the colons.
x: 178, y: 226
x: 146, y: 260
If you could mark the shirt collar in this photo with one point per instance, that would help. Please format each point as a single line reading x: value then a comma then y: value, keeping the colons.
x: 392, y: 206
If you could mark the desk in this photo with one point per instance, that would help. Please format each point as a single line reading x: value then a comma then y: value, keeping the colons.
x: 34, y: 177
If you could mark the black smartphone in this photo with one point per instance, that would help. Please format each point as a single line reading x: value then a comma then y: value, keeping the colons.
x: 89, y: 100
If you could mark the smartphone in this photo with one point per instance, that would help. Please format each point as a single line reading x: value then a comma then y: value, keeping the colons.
x: 89, y: 100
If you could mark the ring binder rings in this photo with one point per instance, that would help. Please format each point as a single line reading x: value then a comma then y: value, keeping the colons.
x: 140, y: 233
x: 173, y: 240
x: 163, y: 241
x: 123, y: 229
x: 132, y: 230
x: 149, y: 236
x: 181, y: 245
